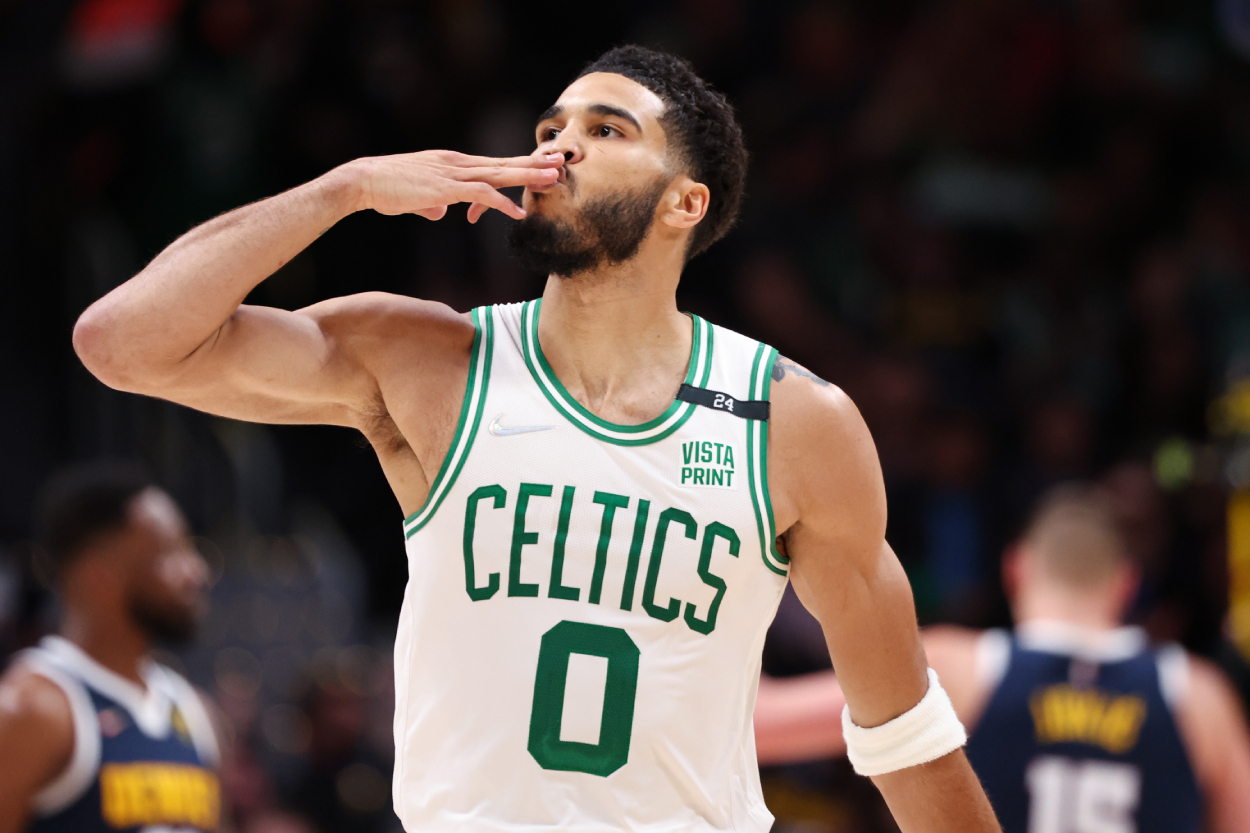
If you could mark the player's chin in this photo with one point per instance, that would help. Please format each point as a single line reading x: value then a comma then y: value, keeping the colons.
x: 173, y: 627
x: 173, y: 620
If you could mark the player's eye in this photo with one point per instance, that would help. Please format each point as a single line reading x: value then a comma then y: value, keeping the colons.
x: 548, y: 134
x: 605, y: 131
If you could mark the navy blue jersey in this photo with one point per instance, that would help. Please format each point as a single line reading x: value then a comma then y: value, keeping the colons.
x: 143, y: 761
x: 1074, y: 742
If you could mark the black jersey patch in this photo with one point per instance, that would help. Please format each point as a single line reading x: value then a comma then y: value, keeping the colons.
x: 717, y: 401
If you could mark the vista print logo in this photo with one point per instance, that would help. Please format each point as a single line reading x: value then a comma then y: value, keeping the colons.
x: 708, y: 464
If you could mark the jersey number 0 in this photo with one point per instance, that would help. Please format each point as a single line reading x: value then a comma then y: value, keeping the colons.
x: 616, y: 723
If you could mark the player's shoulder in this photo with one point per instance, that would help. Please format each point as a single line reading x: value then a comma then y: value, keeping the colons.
x: 36, y: 717
x: 806, y: 405
x: 1213, y: 729
x: 821, y: 459
x: 31, y: 700
x: 1205, y: 687
x: 815, y: 426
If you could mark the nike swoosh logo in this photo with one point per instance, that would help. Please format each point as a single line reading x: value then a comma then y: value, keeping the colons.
x: 500, y: 431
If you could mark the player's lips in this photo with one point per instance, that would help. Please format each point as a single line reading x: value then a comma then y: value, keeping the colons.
x: 561, y: 179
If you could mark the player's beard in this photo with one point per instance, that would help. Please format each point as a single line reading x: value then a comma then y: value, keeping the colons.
x: 164, y: 622
x: 607, y: 231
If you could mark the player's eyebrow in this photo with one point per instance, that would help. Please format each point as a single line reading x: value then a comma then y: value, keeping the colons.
x: 609, y: 110
x: 597, y: 109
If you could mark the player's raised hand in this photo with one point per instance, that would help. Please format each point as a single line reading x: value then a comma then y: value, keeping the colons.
x: 426, y: 183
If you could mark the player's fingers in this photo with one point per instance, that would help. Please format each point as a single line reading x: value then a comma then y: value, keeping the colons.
x: 541, y: 160
x: 476, y: 211
x: 508, y: 177
x: 480, y: 192
x: 438, y: 212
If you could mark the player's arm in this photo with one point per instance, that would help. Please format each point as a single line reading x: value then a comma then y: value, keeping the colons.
x: 830, y: 499
x: 800, y: 718
x: 36, y: 742
x: 1213, y: 728
x: 179, y: 329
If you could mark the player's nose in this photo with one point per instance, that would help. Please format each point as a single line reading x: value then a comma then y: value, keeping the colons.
x: 569, y: 145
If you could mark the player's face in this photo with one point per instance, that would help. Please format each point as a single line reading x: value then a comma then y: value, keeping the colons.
x: 603, y: 205
x: 169, y: 578
x: 608, y: 128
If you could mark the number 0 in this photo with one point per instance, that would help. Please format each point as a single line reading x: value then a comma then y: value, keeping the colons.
x: 617, y: 722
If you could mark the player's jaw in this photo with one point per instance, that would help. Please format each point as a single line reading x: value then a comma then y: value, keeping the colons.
x: 168, y: 581
x: 170, y: 600
x: 603, y: 230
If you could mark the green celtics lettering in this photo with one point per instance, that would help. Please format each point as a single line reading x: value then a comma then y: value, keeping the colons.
x: 613, y: 512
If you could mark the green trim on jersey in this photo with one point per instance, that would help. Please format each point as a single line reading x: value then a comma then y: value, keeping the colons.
x: 700, y: 368
x: 471, y: 408
x: 757, y: 461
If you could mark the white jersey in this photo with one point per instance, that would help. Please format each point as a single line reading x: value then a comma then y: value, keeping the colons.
x: 579, y: 645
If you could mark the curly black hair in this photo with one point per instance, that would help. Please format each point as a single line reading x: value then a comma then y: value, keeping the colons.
x: 701, y: 128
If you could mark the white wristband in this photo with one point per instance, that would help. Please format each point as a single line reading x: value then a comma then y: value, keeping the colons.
x: 928, y: 731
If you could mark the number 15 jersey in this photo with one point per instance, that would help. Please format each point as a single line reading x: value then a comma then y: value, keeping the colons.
x: 579, y: 645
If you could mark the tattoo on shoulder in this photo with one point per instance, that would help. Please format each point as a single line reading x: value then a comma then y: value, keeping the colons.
x: 782, y: 365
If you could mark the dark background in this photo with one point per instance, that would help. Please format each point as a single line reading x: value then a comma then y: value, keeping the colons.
x: 1013, y: 230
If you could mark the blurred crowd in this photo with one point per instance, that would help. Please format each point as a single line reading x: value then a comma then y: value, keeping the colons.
x: 1015, y: 231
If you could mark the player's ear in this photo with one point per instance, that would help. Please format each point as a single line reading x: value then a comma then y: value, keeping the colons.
x: 684, y: 203
x: 1012, y: 558
x: 1126, y: 583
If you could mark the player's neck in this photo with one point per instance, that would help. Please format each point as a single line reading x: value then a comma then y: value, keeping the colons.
x: 616, y: 340
x: 1088, y: 611
x: 111, y: 640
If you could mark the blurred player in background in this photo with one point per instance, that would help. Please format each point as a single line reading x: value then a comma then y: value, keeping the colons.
x: 95, y: 735
x: 1077, y: 724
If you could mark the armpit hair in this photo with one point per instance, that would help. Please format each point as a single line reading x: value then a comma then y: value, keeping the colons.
x: 379, y: 429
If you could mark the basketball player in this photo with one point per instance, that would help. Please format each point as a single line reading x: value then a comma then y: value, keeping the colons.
x: 94, y: 735
x: 1078, y: 724
x: 605, y: 497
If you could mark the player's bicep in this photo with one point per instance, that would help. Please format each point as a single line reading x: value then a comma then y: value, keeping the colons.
x: 273, y: 365
x: 866, y: 611
x: 842, y: 567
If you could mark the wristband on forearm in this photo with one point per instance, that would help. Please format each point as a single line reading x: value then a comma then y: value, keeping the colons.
x: 926, y: 732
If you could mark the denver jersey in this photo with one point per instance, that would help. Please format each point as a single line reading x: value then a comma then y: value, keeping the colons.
x: 1079, y: 736
x: 580, y: 640
x: 143, y: 761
